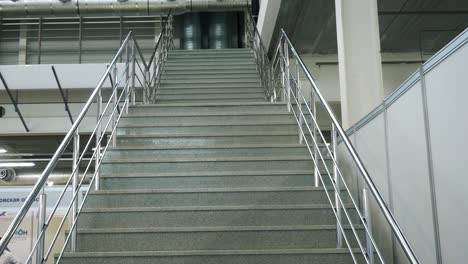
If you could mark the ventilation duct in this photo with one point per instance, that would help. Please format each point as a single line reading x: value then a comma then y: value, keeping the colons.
x: 38, y: 8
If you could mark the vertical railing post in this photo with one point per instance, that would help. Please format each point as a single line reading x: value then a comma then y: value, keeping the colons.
x: 368, y: 223
x: 98, y: 139
x: 283, y: 73
x: 336, y: 178
x: 41, y: 217
x: 299, y: 102
x: 127, y: 76
x: 313, y: 118
x: 133, y: 95
x: 288, y: 79
x: 76, y: 173
x: 115, y: 105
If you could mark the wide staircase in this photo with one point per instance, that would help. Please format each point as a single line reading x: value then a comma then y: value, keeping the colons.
x: 210, y: 173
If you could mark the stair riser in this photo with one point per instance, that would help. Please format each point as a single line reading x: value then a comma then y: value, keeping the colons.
x: 207, y: 182
x: 207, y: 218
x: 137, y: 167
x: 214, y: 62
x: 206, y: 141
x: 182, y: 68
x: 338, y: 258
x: 211, y: 57
x: 196, y: 110
x: 201, y: 129
x: 240, y: 240
x: 213, y: 80
x: 208, y: 91
x: 204, y: 152
x: 169, y: 71
x: 238, y: 100
x: 209, y: 75
x: 220, y: 119
x: 201, y: 85
x: 205, y: 199
x: 234, y: 95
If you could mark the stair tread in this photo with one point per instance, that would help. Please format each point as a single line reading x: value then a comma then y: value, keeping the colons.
x: 210, y: 190
x: 211, y: 123
x: 219, y: 146
x: 211, y: 252
x: 204, y: 159
x: 240, y: 113
x: 207, y: 208
x: 211, y: 173
x: 206, y: 104
x: 213, y: 134
x: 210, y: 229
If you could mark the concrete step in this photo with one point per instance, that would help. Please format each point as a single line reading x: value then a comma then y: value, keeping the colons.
x: 198, y: 216
x: 211, y: 90
x: 209, y: 67
x: 183, y: 151
x: 209, y: 139
x: 211, y: 62
x: 170, y: 71
x: 165, y: 95
x: 211, y: 57
x: 207, y: 197
x: 220, y: 85
x: 212, y: 179
x: 197, y: 127
x: 197, y: 108
x: 209, y: 238
x: 212, y: 80
x: 208, y: 118
x: 264, y: 256
x: 238, y: 100
x: 205, y: 164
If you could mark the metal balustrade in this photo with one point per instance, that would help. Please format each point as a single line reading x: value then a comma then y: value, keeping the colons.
x: 123, y: 78
x: 285, y: 78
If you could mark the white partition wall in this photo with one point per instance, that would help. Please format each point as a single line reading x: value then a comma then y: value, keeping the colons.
x: 414, y: 146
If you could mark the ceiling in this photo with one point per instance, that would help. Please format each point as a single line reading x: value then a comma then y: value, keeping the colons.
x: 405, y: 25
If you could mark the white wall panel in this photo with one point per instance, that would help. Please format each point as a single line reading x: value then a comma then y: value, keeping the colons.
x: 409, y: 172
x: 447, y: 92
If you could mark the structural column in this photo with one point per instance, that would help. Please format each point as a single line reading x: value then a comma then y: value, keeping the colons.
x: 269, y: 10
x: 360, y: 63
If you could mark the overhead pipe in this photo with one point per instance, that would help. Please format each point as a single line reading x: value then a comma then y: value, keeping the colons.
x: 64, y: 8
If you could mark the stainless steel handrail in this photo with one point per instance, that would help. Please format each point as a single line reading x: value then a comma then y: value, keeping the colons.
x: 255, y: 42
x: 390, y: 218
x: 276, y: 73
x: 124, y: 81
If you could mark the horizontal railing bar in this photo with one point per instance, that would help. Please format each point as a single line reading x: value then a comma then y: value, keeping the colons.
x: 326, y: 191
x: 75, y: 218
x: 357, y: 160
x: 327, y: 170
x: 53, y: 162
x: 361, y: 217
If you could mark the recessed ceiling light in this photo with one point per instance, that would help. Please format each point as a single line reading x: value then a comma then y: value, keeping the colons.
x: 17, y: 164
x: 3, y: 151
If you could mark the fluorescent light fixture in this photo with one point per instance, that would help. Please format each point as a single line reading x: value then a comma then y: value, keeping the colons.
x: 17, y: 164
x: 3, y: 151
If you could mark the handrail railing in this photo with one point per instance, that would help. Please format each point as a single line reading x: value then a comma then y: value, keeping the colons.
x: 255, y: 42
x: 122, y: 82
x: 284, y: 83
